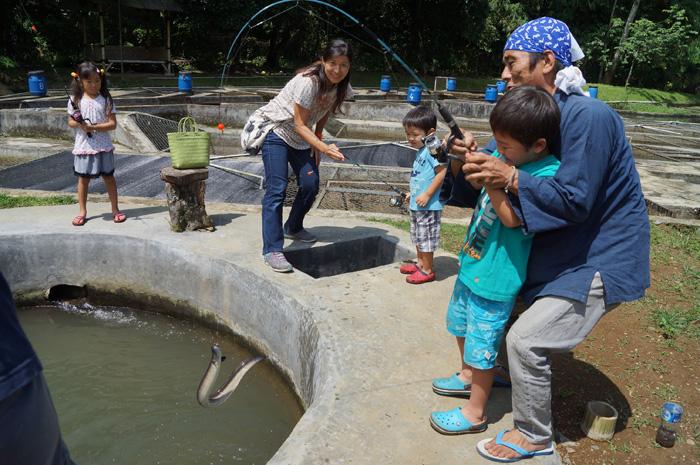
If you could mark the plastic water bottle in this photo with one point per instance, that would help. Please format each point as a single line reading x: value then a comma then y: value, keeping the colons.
x: 670, y: 419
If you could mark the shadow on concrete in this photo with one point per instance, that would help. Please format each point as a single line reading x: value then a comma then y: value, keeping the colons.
x: 222, y: 219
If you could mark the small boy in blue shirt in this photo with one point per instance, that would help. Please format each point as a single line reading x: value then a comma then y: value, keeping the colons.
x: 425, y: 207
x: 494, y: 258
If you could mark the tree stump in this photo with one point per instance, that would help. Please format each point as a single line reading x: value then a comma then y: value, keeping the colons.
x: 184, y: 190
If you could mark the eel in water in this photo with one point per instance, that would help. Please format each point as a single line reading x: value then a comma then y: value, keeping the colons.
x: 220, y: 396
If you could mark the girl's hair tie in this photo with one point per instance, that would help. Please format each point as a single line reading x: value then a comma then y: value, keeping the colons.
x: 75, y: 75
x: 99, y: 71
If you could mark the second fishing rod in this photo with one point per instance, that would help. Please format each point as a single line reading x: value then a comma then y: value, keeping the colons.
x: 395, y: 201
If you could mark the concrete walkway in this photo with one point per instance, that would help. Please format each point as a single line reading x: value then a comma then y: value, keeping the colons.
x: 361, y: 348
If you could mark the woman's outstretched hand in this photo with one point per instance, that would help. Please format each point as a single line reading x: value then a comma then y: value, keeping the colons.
x: 334, y: 153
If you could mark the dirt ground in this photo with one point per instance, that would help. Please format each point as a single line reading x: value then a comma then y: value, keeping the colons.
x: 631, y: 364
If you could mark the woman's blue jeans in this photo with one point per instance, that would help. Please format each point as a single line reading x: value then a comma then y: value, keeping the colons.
x: 276, y: 154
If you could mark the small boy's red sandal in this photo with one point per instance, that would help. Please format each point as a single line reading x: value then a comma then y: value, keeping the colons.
x: 409, y: 269
x: 420, y: 277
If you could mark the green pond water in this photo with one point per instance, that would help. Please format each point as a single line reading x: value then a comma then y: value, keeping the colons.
x: 124, y: 385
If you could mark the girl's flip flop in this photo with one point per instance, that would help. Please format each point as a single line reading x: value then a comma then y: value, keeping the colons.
x: 119, y: 217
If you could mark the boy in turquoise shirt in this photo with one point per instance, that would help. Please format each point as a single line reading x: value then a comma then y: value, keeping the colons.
x: 494, y: 258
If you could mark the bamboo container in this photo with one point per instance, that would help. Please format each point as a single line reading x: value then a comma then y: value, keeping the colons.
x: 599, y: 421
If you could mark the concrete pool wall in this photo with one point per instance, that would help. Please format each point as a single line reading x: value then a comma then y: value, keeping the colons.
x: 201, y: 287
x: 360, y: 348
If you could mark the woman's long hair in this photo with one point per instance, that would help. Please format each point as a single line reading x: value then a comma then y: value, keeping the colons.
x: 84, y: 71
x: 334, y: 48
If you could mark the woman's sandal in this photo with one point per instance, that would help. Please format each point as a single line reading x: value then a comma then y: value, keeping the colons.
x: 78, y: 220
x: 119, y: 217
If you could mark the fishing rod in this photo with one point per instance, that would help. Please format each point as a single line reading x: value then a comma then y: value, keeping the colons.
x: 395, y: 201
x: 76, y: 114
x: 455, y: 132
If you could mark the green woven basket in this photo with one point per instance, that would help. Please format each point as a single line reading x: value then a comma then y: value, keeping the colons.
x: 189, y: 147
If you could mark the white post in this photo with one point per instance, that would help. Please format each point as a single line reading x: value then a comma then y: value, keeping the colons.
x: 167, y: 39
x: 102, y: 33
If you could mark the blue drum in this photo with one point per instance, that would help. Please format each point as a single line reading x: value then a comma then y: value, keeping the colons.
x: 414, y: 93
x: 184, y: 82
x: 501, y: 86
x: 385, y: 84
x: 451, y: 84
x: 491, y: 93
x: 37, y: 83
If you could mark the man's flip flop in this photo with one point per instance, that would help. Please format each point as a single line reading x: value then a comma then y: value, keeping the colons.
x: 523, y: 453
x: 78, y: 221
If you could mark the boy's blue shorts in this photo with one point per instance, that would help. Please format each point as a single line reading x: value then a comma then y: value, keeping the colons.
x: 482, y: 322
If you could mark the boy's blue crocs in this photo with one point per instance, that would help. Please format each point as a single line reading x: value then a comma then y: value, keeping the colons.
x: 453, y: 422
x: 452, y: 386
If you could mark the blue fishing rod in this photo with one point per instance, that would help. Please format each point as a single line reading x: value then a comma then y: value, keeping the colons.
x: 432, y: 142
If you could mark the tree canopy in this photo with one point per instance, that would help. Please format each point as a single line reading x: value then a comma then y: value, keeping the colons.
x: 661, y: 48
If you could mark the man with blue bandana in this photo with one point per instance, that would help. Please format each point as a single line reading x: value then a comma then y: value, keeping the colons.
x: 591, y: 245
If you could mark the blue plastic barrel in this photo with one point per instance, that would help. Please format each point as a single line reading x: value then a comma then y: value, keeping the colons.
x: 593, y: 91
x: 501, y: 86
x: 37, y: 83
x: 385, y: 84
x: 491, y: 93
x: 184, y: 82
x: 414, y: 93
x: 451, y: 84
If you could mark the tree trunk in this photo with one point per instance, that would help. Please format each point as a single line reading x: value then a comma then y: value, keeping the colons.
x: 605, y: 40
x: 629, y: 75
x: 625, y: 33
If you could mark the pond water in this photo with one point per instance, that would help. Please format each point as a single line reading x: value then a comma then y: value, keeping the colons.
x: 124, y: 384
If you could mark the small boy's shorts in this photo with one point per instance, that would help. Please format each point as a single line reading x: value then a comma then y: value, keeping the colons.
x: 481, y: 322
x: 425, y: 229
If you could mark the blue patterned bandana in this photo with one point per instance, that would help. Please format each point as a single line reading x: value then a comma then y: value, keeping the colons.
x: 543, y: 34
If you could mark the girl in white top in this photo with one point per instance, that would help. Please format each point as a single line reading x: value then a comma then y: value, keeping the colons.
x: 306, y: 100
x: 92, y: 114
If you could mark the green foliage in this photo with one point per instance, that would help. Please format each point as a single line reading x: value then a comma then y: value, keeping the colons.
x: 434, y: 37
x: 7, y: 63
x: 658, y: 46
x: 8, y: 201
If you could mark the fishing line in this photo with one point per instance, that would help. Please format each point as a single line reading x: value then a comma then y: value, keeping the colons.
x: 76, y: 115
x: 343, y: 30
x: 395, y: 189
x: 455, y: 132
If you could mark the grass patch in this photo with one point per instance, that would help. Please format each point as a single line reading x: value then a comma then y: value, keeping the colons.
x: 451, y: 235
x: 10, y: 201
x: 655, y: 108
x: 638, y: 94
x: 674, y: 322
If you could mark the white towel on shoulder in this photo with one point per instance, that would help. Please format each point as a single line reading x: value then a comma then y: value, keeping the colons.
x: 570, y: 80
